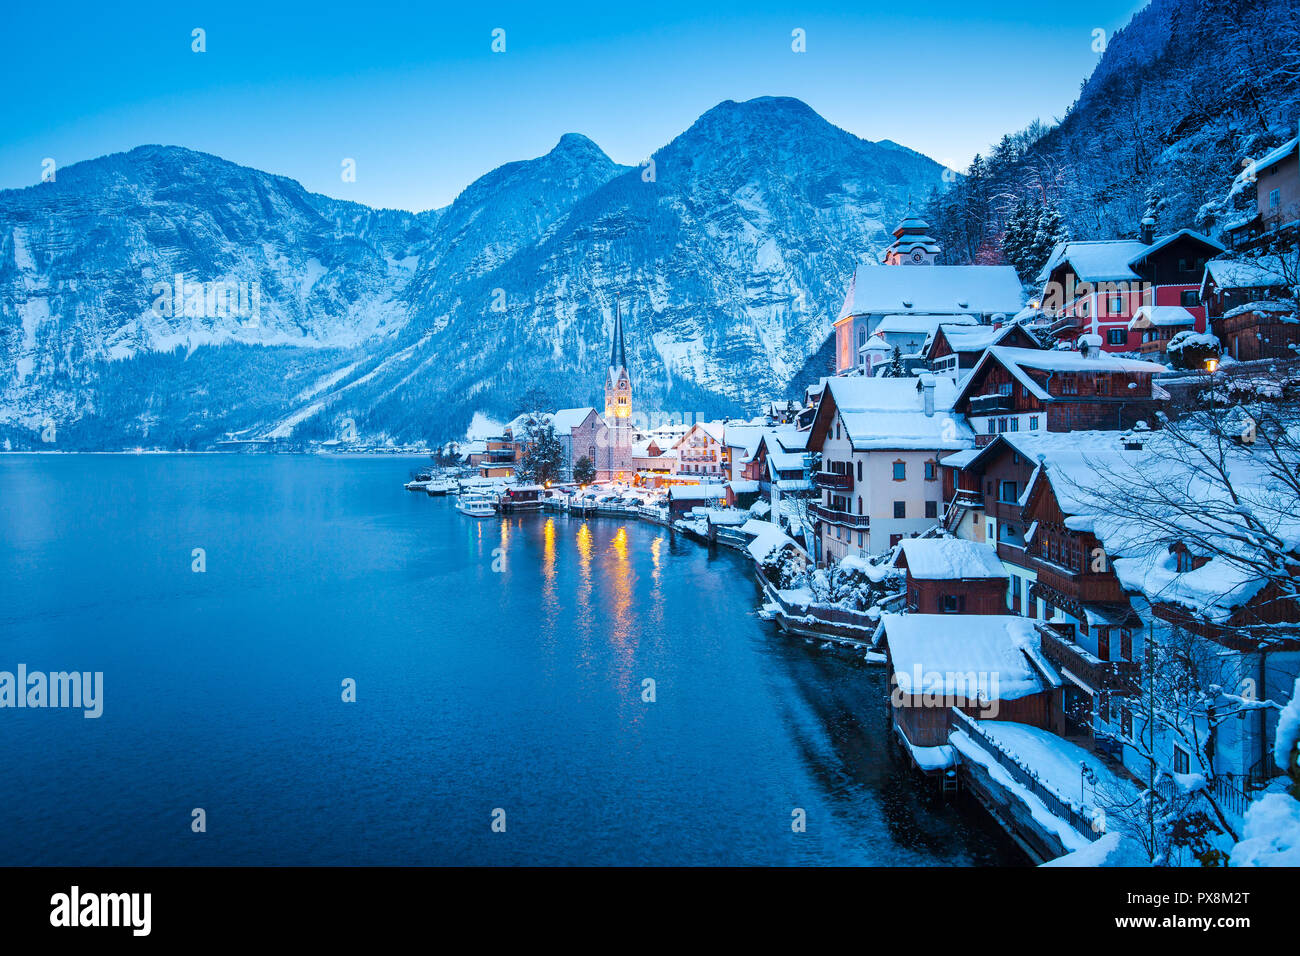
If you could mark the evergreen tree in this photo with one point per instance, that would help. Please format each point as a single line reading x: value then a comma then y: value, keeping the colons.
x: 543, y: 456
x: 584, y: 472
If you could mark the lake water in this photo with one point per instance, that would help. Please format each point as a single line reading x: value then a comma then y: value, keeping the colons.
x: 498, y: 664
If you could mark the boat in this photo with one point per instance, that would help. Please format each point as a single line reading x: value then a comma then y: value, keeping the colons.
x: 440, y: 486
x: 475, y: 505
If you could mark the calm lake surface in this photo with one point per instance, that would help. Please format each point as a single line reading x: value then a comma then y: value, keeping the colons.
x: 518, y: 688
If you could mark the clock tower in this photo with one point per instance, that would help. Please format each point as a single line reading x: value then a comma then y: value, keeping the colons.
x: 912, y: 245
x: 618, y: 408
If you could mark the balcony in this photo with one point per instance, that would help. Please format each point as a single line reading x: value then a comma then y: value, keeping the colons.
x: 1119, y: 677
x: 1067, y: 323
x: 1084, y: 588
x: 842, y: 518
x: 989, y: 404
x: 829, y: 479
x: 1012, y: 554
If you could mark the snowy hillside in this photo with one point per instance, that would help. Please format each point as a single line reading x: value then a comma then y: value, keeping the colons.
x: 295, y: 311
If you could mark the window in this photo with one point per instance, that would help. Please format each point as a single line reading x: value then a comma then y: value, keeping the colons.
x: 1274, y: 199
x: 932, y: 509
x: 1126, y: 723
x: 1126, y: 644
x: 1116, y: 305
x: 1069, y: 384
x: 859, y: 470
x: 992, y: 426
x: 1103, y: 708
x: 1184, y: 561
x: 861, y: 539
x: 859, y: 504
x: 900, y: 509
x: 1005, y: 389
x: 1189, y: 299
x: 900, y: 470
x: 953, y: 604
x: 1181, y: 760
x: 837, y: 431
x: 1007, y: 494
x: 931, y: 470
x: 1015, y: 424
x: 1117, y: 337
x: 1002, y: 425
x: 1033, y: 423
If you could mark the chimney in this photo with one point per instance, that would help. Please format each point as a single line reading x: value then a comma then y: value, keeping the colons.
x: 1148, y: 230
x: 927, y: 395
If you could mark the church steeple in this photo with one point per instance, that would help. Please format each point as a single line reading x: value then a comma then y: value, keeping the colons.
x: 618, y: 405
x: 617, y: 350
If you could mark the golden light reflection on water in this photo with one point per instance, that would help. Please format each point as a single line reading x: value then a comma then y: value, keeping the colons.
x: 550, y: 600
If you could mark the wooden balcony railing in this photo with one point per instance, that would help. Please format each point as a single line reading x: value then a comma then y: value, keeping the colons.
x: 1119, y: 677
x: 830, y: 479
x: 843, y: 518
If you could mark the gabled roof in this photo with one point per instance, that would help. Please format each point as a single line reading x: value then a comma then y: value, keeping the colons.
x: 940, y: 290
x: 889, y: 413
x: 950, y: 559
x: 1277, y: 155
x: 1017, y: 361
x: 997, y: 649
x: 914, y: 322
x: 970, y: 338
x: 567, y: 419
x: 1161, y: 316
x: 1261, y: 273
x: 1112, y: 260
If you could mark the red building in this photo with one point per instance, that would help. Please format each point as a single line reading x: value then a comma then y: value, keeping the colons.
x: 1097, y: 287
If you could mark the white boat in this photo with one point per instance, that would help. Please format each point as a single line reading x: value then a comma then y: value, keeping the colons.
x: 476, y: 506
x: 439, y: 486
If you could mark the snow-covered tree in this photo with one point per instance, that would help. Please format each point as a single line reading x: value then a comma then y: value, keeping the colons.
x: 541, y: 457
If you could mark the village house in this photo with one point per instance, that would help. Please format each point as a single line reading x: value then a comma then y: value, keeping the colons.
x: 1272, y: 185
x: 879, y: 441
x: 954, y: 350
x: 987, y: 666
x: 952, y: 576
x: 915, y: 295
x: 1108, y: 581
x: 1031, y: 390
x: 1097, y: 287
x: 702, y: 450
x: 984, y: 488
x: 683, y: 498
x: 1252, y: 308
x: 497, y: 460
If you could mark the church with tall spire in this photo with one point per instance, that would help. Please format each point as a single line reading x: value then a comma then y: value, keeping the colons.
x: 617, y: 465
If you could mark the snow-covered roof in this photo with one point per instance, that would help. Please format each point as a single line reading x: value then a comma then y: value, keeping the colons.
x: 709, y: 492
x: 517, y: 423
x: 1261, y: 273
x: 884, y: 413
x: 916, y: 322
x: 1018, y: 360
x: 938, y: 653
x: 876, y: 344
x: 743, y: 486
x: 1161, y: 316
x: 567, y: 419
x: 767, y: 538
x: 746, y: 437
x: 966, y: 338
x: 1276, y: 156
x: 1110, y: 260
x: 1083, y: 482
x: 1096, y: 260
x: 943, y: 290
x: 948, y: 559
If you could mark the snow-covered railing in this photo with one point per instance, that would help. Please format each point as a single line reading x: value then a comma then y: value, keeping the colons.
x: 1058, y: 806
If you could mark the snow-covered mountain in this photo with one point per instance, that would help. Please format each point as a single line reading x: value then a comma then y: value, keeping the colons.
x: 728, y: 253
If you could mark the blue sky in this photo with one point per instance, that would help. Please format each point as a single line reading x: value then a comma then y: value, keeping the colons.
x: 414, y: 94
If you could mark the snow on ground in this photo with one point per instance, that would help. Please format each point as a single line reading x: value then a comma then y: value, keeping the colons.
x: 1056, y: 762
x: 480, y: 426
x: 1112, y: 849
x: 974, y: 752
x: 1272, y: 833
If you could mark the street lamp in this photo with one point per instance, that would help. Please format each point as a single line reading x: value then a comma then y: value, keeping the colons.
x: 1211, y: 364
